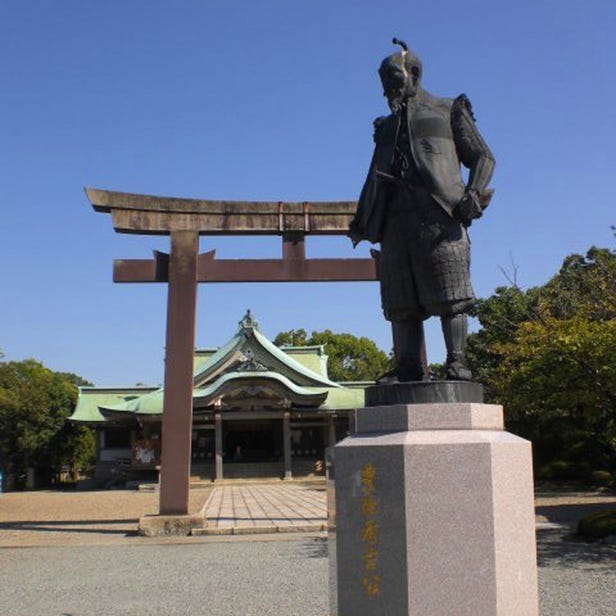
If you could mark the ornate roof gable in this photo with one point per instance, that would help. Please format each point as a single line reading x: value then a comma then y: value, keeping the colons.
x: 250, y: 351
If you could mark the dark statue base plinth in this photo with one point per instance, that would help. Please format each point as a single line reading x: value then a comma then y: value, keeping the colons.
x: 424, y: 392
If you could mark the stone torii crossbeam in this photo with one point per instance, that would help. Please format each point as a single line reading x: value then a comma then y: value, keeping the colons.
x: 184, y: 220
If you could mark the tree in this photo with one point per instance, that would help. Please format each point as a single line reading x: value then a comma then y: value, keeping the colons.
x: 349, y: 358
x: 292, y: 337
x: 35, y: 403
x: 548, y: 355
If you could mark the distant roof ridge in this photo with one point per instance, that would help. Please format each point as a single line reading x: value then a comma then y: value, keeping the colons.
x: 303, y: 347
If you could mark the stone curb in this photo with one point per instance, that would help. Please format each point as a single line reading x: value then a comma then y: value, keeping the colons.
x: 255, y: 530
x: 550, y: 526
x: 169, y: 525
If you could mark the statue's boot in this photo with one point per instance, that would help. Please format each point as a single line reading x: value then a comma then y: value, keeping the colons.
x: 408, y: 343
x: 389, y: 377
x: 455, y: 329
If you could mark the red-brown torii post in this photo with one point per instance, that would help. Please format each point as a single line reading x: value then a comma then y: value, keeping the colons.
x: 184, y: 220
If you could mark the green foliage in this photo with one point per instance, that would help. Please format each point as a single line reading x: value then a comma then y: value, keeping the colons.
x: 585, y: 286
x: 548, y: 355
x: 598, y: 525
x: 293, y: 337
x: 555, y: 470
x: 34, y: 405
x: 350, y: 358
x: 602, y: 479
x: 437, y: 372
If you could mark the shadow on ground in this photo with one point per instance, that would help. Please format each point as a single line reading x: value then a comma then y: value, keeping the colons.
x: 72, y: 526
x: 563, y: 549
x: 555, y: 548
x: 315, y: 548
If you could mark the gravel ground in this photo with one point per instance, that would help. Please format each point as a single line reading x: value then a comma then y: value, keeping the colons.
x: 78, y: 518
x: 83, y: 563
x: 252, y: 578
x: 575, y: 578
x: 247, y: 577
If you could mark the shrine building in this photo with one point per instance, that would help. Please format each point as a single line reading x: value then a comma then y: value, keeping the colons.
x: 258, y: 411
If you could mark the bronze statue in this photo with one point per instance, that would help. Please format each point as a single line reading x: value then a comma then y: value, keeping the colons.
x: 415, y: 203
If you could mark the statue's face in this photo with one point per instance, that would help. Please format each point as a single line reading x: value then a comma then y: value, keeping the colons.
x: 398, y: 84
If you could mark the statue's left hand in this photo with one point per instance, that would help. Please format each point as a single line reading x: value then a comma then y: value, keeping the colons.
x: 469, y: 208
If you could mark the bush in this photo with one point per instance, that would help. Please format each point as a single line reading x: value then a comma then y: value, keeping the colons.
x: 598, y: 525
x: 555, y: 470
x: 602, y: 479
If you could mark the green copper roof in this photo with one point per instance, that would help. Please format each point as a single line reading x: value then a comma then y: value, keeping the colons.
x: 201, y: 356
x: 250, y: 340
x: 344, y: 398
x: 311, y: 357
x: 253, y: 377
x: 92, y: 398
x: 152, y: 403
x: 293, y: 364
x: 249, y: 362
x: 217, y: 359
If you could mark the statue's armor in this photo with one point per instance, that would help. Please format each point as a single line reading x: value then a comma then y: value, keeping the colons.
x: 408, y: 205
x: 426, y: 129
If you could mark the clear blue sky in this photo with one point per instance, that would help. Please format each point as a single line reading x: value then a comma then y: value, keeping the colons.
x: 274, y: 100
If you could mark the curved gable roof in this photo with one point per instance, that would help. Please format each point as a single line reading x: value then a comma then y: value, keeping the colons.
x: 250, y: 343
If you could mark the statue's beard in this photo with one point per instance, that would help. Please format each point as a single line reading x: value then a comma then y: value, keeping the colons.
x: 395, y: 102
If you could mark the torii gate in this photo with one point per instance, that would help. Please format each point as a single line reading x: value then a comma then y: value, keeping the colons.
x: 184, y: 220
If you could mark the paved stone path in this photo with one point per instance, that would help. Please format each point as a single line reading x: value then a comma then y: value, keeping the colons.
x: 45, y: 518
x: 243, y: 509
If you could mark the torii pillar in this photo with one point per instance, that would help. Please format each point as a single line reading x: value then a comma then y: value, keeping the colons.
x: 184, y: 220
x: 178, y: 384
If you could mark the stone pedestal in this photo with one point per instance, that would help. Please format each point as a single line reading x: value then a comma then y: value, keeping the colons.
x: 434, y: 514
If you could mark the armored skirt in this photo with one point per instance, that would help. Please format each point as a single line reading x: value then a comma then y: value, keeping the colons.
x: 424, y: 265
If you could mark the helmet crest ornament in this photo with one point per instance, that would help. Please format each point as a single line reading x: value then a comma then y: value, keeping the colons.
x: 405, y: 59
x: 397, y: 41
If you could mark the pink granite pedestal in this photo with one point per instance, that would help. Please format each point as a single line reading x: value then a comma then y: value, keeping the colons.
x: 434, y: 514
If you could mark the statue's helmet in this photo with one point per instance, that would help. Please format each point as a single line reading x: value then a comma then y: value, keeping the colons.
x: 404, y: 60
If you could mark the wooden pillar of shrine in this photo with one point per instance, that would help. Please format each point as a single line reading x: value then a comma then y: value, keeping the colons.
x: 218, y: 455
x: 286, y: 443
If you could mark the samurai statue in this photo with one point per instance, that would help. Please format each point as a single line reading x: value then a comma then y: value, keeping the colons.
x: 417, y: 206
